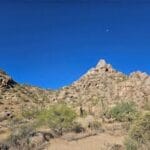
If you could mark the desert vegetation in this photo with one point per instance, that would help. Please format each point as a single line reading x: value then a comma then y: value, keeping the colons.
x: 124, y: 111
x: 139, y: 133
x: 25, y: 132
x: 57, y: 117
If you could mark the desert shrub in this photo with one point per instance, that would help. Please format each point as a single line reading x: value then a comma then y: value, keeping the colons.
x: 57, y: 117
x: 139, y: 133
x: 30, y: 112
x: 147, y: 105
x: 124, y: 111
x: 95, y: 125
x: 126, y: 125
x: 140, y: 130
x: 130, y: 144
x: 19, y: 138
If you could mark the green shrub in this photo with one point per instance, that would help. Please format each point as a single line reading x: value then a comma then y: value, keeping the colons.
x: 140, y: 132
x: 57, y: 117
x: 130, y: 144
x: 30, y: 113
x: 124, y: 111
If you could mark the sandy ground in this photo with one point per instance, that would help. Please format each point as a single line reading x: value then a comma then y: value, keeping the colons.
x: 102, y: 141
x: 4, y: 134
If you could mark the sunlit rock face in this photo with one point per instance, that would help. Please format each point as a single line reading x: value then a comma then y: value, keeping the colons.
x: 102, y: 64
x: 105, y: 84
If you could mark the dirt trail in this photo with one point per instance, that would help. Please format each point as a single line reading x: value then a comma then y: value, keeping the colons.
x: 99, y: 142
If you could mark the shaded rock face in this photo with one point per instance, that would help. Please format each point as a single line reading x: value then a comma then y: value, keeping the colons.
x: 5, y: 80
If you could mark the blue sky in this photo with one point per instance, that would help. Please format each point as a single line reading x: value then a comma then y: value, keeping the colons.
x: 51, y: 43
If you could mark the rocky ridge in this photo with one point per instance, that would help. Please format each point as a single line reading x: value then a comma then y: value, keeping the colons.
x: 100, y: 86
x: 104, y: 85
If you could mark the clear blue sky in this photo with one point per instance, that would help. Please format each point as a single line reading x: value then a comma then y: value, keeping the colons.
x: 51, y: 43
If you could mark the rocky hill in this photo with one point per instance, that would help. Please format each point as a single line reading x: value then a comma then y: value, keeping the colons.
x: 105, y: 86
x: 101, y: 85
x: 14, y: 96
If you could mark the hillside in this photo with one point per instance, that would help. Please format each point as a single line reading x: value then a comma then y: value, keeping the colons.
x: 103, y: 84
x: 96, y: 92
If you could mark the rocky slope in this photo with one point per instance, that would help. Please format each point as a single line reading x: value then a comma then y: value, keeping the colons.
x: 101, y: 86
x: 14, y: 97
x: 105, y: 86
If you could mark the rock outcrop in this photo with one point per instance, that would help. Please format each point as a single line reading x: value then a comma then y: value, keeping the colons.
x: 6, y: 81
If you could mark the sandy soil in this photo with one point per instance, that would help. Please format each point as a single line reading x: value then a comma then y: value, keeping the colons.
x: 4, y: 134
x: 102, y: 141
